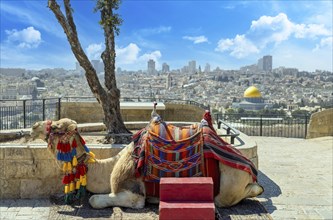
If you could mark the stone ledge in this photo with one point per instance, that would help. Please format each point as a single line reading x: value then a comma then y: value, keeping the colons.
x: 32, y: 171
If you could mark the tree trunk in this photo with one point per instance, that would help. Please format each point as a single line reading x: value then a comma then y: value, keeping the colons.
x: 117, y: 131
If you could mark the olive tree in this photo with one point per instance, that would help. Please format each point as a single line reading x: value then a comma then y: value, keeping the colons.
x: 108, y: 95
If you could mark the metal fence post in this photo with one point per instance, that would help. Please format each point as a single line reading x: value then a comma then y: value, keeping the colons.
x: 24, y: 115
x: 59, y: 107
x: 43, y: 109
x: 306, y: 125
x: 260, y: 125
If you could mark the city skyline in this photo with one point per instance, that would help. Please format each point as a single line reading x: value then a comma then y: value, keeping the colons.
x: 225, y: 34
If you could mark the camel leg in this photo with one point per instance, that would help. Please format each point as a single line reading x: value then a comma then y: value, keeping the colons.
x: 125, y: 198
x: 253, y: 190
x: 153, y: 200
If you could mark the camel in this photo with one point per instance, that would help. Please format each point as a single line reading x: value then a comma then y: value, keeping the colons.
x: 114, y: 183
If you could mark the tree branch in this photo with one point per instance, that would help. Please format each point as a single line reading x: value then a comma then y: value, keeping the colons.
x: 70, y: 30
x: 109, y: 54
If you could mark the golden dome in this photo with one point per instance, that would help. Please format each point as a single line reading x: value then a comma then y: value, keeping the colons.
x: 252, y: 92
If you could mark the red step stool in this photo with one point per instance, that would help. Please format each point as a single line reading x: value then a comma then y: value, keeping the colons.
x: 186, y: 198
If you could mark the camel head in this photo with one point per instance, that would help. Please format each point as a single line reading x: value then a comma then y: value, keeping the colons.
x: 42, y: 129
x: 38, y: 130
x: 52, y: 131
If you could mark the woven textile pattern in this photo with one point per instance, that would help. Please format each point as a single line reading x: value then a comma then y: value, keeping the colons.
x: 157, y: 149
x: 172, y: 151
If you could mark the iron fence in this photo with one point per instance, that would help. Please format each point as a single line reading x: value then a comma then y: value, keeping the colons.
x: 18, y: 114
x: 268, y: 125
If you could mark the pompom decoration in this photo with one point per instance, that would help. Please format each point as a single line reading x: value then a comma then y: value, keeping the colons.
x: 75, y: 178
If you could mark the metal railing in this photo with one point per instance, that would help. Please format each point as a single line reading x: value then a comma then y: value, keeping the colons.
x: 18, y: 114
x: 230, y: 131
x: 268, y: 125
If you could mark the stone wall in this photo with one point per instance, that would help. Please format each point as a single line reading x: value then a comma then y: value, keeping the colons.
x: 91, y: 112
x: 321, y: 124
x: 182, y: 112
x: 32, y: 172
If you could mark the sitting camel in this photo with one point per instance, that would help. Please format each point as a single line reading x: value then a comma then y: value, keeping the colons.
x: 114, y: 181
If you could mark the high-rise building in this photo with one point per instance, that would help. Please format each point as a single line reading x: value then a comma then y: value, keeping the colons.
x: 265, y: 63
x: 192, y: 66
x: 165, y: 68
x: 151, y: 67
x: 168, y: 81
x: 207, y: 68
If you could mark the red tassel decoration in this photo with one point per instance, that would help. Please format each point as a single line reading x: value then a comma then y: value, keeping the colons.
x: 62, y: 147
x: 71, y: 178
x: 65, y: 147
x: 65, y: 180
x: 59, y: 146
x: 84, y: 170
x: 77, y: 175
x: 79, y: 170
x: 74, y: 144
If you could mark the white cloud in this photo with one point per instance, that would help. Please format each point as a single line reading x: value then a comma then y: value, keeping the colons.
x: 25, y: 38
x: 271, y: 30
x: 155, y: 55
x: 32, y: 14
x: 129, y: 56
x: 280, y: 28
x: 311, y: 30
x: 239, y: 46
x: 325, y: 43
x: 197, y: 39
x: 94, y: 51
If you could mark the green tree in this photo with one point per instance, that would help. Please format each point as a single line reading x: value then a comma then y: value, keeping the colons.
x: 109, y: 95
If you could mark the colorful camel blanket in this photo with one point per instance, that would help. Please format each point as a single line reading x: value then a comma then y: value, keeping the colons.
x: 164, y: 150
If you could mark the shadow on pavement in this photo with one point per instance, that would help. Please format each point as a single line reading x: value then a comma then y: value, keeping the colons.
x: 81, y: 208
x: 246, y: 209
x: 271, y: 190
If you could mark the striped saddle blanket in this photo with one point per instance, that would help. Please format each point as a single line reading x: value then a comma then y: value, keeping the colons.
x: 165, y: 150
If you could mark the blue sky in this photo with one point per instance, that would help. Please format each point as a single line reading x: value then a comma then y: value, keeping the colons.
x: 227, y: 34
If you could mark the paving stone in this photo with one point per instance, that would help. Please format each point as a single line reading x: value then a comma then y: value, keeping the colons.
x: 297, y: 177
x: 25, y: 211
x: 8, y: 215
x: 295, y: 173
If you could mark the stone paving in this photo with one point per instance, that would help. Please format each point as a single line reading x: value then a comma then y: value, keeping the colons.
x: 296, y: 175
